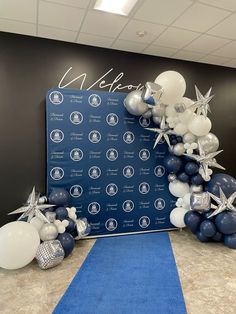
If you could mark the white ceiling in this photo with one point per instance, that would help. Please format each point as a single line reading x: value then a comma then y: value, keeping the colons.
x: 196, y: 30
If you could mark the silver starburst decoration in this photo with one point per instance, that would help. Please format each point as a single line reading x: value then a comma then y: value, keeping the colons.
x: 202, y: 102
x: 223, y: 203
x: 32, y: 208
x: 206, y: 161
x: 163, y: 131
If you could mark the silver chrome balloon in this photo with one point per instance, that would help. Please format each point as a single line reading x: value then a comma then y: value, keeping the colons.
x: 209, y: 143
x: 189, y: 138
x: 158, y: 110
x: 51, y: 216
x: 48, y: 232
x: 156, y: 120
x: 147, y: 114
x: 180, y: 107
x: 200, y: 201
x: 49, y: 254
x: 150, y: 90
x: 179, y: 149
x: 83, y: 228
x: 134, y: 103
x: 171, y: 177
x: 196, y: 188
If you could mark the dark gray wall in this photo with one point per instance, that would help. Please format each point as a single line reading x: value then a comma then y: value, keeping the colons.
x: 30, y: 66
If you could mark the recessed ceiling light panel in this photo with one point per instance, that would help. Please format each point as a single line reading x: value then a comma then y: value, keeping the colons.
x: 122, y: 7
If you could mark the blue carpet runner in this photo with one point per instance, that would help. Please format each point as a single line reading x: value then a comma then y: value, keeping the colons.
x: 133, y: 274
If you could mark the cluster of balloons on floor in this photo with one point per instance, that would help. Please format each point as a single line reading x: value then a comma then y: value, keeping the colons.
x: 48, y: 235
x: 205, y: 201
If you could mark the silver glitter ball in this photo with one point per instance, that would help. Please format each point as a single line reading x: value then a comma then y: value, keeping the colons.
x: 200, y: 201
x: 49, y: 254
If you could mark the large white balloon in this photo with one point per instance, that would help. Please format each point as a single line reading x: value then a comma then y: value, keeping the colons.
x: 19, y: 242
x: 174, y: 86
x: 178, y: 188
x: 200, y: 125
x: 186, y: 116
x: 180, y: 129
x: 37, y: 222
x: 177, y: 217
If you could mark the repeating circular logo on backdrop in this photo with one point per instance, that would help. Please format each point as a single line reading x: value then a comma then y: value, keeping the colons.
x: 128, y: 206
x: 76, y: 191
x: 94, y: 136
x: 76, y: 154
x: 112, y: 119
x: 144, y: 188
x: 159, y: 171
x: 57, y: 173
x: 112, y: 154
x: 94, y: 208
x: 128, y: 171
x: 128, y: 137
x: 159, y: 204
x: 144, y: 122
x: 56, y: 97
x: 94, y: 172
x: 57, y: 136
x: 111, y: 189
x: 111, y: 224
x: 76, y: 117
x: 94, y: 100
x: 144, y: 222
x: 144, y: 154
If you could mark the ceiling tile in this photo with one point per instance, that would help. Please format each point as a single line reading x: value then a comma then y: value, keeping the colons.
x: 200, y: 17
x: 188, y: 55
x: 126, y: 45
x: 24, y: 10
x: 152, y: 31
x: 175, y: 38
x: 226, y: 28
x: 17, y: 27
x: 74, y: 3
x: 159, y: 11
x: 228, y: 51
x: 206, y: 43
x: 155, y: 50
x: 223, y: 4
x: 93, y: 40
x: 104, y: 24
x: 231, y: 63
x: 60, y: 16
x: 211, y: 59
x: 56, y: 33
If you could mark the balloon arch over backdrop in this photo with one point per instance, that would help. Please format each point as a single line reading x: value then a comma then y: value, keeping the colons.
x: 205, y: 201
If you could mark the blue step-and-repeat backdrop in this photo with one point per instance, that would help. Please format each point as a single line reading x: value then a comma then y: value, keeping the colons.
x: 104, y: 157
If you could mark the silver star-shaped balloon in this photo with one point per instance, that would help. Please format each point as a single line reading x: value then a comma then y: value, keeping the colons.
x: 205, y: 161
x: 223, y: 203
x: 202, y: 102
x: 163, y: 131
x: 32, y: 208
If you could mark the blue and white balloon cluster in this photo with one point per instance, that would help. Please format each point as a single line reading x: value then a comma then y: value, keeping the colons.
x: 185, y: 126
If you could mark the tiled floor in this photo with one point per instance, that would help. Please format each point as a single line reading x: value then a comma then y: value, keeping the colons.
x: 207, y: 273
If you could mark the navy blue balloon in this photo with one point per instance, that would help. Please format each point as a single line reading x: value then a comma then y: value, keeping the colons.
x: 192, y: 220
x: 207, y: 213
x: 59, y: 197
x: 173, y: 164
x: 183, y: 177
x: 67, y: 242
x: 230, y: 241
x: 225, y: 181
x: 218, y: 237
x: 173, y: 141
x: 61, y: 213
x: 208, y: 228
x: 179, y: 139
x: 191, y: 168
x: 197, y: 179
x: 201, y: 237
x: 70, y: 228
x: 226, y: 222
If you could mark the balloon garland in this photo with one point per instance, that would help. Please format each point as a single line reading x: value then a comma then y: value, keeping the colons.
x: 55, y: 225
x: 205, y: 201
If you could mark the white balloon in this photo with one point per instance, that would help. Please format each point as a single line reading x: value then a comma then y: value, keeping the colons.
x: 189, y: 138
x: 200, y: 125
x: 177, y: 217
x: 19, y: 242
x: 173, y: 84
x: 170, y: 111
x: 186, y: 116
x: 186, y: 201
x: 37, y: 222
x: 179, y: 149
x: 187, y: 101
x: 178, y: 188
x: 180, y: 129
